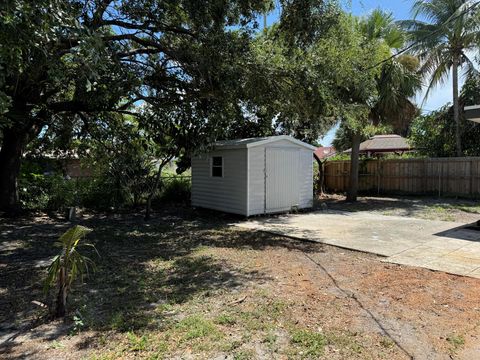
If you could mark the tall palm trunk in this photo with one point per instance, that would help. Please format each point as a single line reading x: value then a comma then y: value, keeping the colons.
x: 354, y: 166
x: 456, y: 110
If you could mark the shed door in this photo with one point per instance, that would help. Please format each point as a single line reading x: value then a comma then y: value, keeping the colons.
x: 282, y: 185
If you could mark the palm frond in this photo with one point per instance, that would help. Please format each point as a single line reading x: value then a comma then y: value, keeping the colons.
x: 69, y: 260
x: 468, y: 65
x: 438, y: 76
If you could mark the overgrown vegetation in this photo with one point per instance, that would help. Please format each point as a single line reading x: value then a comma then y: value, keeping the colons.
x: 106, y: 191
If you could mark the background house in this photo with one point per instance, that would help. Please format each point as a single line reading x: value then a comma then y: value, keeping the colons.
x: 472, y: 113
x: 66, y: 163
x: 324, y: 152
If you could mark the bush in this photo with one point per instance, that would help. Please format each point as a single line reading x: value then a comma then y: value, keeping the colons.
x: 174, y: 190
x: 46, y: 192
x: 101, y: 194
x: 42, y: 187
x: 39, y: 192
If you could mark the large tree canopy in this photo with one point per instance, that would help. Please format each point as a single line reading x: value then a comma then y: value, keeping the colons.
x: 75, y: 65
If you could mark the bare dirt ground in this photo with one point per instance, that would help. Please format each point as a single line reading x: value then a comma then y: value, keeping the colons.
x: 188, y: 286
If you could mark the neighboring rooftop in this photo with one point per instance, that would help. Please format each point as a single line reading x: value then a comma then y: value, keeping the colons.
x: 472, y: 113
x: 324, y: 152
x: 385, y: 143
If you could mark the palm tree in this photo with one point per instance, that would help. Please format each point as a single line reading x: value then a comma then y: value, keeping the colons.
x: 67, y: 266
x: 397, y: 83
x: 443, y: 42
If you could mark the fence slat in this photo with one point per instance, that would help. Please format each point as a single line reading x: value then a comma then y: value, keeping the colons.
x: 442, y: 176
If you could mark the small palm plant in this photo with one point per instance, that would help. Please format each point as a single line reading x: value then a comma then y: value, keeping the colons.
x: 67, y: 265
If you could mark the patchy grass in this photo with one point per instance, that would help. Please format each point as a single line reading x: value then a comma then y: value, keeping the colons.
x: 137, y: 343
x: 186, y: 285
x: 226, y: 319
x: 194, y: 327
x: 444, y: 209
x: 437, y: 212
x: 309, y: 344
x: 456, y: 342
x: 387, y: 342
x: 472, y: 208
x: 56, y: 345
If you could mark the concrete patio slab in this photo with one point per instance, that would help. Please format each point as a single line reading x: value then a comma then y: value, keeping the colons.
x: 436, y: 245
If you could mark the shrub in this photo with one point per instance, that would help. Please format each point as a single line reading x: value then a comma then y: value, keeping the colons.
x: 53, y: 192
x: 46, y: 192
x: 175, y: 190
x: 39, y: 192
x: 101, y: 193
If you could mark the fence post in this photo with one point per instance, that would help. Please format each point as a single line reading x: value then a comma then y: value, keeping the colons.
x: 471, y: 178
x: 440, y: 173
x: 378, y: 176
x: 424, y: 177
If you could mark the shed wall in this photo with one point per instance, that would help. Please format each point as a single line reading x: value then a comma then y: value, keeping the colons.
x: 306, y: 178
x: 227, y: 193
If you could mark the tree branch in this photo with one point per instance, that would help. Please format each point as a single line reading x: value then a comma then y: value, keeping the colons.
x: 148, y: 26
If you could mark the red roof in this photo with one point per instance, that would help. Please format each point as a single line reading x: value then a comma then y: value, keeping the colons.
x: 324, y: 152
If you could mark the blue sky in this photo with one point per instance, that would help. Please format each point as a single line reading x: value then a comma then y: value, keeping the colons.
x: 400, y: 10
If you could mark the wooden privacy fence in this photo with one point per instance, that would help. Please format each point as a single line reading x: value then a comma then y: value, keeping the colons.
x: 439, y: 176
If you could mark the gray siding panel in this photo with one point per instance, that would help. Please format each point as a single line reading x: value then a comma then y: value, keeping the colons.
x: 227, y: 193
x: 256, y: 158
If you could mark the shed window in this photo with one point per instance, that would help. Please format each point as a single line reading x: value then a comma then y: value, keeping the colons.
x: 217, y: 166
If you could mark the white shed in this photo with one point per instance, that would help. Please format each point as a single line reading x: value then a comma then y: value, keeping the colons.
x: 254, y: 176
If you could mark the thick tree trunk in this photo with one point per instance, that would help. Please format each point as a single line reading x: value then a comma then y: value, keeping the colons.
x: 13, y: 145
x: 354, y: 165
x: 158, y: 178
x: 321, y: 177
x: 456, y: 110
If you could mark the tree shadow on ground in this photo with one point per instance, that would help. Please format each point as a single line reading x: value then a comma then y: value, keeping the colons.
x: 142, y: 266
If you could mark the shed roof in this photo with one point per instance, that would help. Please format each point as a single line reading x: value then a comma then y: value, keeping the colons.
x: 252, y: 142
